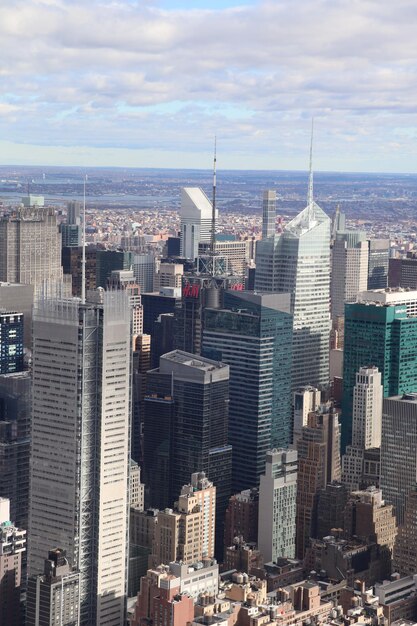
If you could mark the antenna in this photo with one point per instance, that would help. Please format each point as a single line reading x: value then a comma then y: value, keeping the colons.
x: 310, y: 178
x: 213, y: 210
x: 83, y: 250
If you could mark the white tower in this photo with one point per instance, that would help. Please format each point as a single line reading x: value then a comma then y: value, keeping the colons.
x: 196, y: 221
x: 80, y: 445
x: 349, y: 269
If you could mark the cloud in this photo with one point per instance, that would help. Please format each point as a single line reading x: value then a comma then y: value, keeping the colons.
x: 134, y: 75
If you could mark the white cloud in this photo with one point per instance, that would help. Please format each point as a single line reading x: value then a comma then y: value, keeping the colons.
x: 95, y: 74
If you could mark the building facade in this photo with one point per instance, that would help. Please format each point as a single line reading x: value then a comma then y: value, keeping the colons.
x: 350, y: 257
x: 195, y: 220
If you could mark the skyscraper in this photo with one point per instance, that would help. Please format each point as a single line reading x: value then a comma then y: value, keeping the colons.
x: 71, y: 230
x: 80, y: 445
x: 349, y: 269
x: 398, y: 450
x: 144, y: 267
x: 277, y: 505
x: 405, y: 549
x: 318, y: 464
x: 379, y: 250
x: 269, y: 200
x: 30, y: 247
x: 252, y: 333
x: 305, y: 400
x: 54, y: 596
x: 196, y: 221
x: 384, y: 337
x: 298, y: 262
x: 186, y: 429
x: 124, y: 279
x: 367, y: 422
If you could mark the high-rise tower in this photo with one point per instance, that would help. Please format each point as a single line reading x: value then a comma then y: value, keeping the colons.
x: 349, y: 269
x: 80, y: 445
x: 298, y: 262
x: 269, y: 200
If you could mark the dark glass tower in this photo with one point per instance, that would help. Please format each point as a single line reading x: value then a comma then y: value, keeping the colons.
x: 253, y: 334
x: 186, y: 428
x: 11, y: 338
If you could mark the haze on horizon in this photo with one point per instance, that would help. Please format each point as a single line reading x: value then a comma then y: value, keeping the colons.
x: 149, y: 83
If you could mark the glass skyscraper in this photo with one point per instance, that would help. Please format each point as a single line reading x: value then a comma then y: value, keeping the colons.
x: 253, y: 334
x: 298, y: 262
x: 383, y: 337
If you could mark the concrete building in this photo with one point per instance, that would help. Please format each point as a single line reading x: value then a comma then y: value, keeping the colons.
x: 269, y: 208
x: 318, y: 464
x: 186, y: 430
x: 169, y: 275
x: 399, y: 450
x: 305, y: 400
x: 30, y: 247
x: 157, y: 303
x: 298, y: 262
x: 142, y: 526
x: 161, y: 599
x: 369, y: 518
x: 403, y: 272
x: 125, y: 280
x: 398, y: 597
x: 350, y: 257
x: 331, y: 505
x: 235, y: 254
x: 397, y: 296
x: 195, y: 221
x: 405, y: 550
x: 54, y: 596
x: 277, y: 505
x: 80, y: 445
x: 241, y: 517
x: 32, y: 200
x: 12, y: 548
x: 252, y: 333
x: 366, y: 426
x: 141, y: 365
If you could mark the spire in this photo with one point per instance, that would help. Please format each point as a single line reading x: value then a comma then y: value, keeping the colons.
x: 83, y: 250
x: 213, y: 209
x: 310, y: 198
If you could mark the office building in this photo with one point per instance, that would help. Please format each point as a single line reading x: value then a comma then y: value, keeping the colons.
x: 397, y: 296
x: 277, y: 504
x: 142, y: 526
x: 15, y: 421
x: 241, y: 517
x: 108, y: 261
x: 381, y: 336
x: 12, y: 548
x: 144, y: 268
x: 162, y: 337
x: 72, y: 266
x: 252, y: 334
x: 269, y: 208
x: 338, y: 223
x: 331, y: 505
x: 17, y: 297
x: 305, y: 400
x: 169, y: 275
x: 402, y: 272
x: 318, y: 464
x: 186, y: 430
x: 366, y: 426
x: 160, y: 600
x: 54, y: 596
x: 141, y: 364
x: 379, y: 251
x: 157, y: 303
x: 80, y: 445
x: 124, y: 279
x: 30, y: 247
x: 234, y: 254
x: 398, y: 450
x: 71, y: 231
x: 195, y: 221
x: 298, y: 262
x: 187, y: 533
x: 32, y: 200
x: 349, y: 269
x: 11, y: 342
x: 369, y: 518
x: 405, y: 549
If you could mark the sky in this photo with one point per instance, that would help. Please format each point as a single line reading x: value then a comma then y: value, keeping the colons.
x: 149, y: 83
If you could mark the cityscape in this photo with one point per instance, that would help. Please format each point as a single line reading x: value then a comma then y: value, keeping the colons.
x: 208, y: 313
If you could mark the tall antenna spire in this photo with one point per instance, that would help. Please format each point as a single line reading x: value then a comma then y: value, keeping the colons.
x: 83, y: 251
x: 310, y: 199
x: 213, y: 209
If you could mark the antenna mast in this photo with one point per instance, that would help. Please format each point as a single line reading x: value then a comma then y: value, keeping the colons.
x: 83, y: 251
x: 213, y: 210
x: 310, y: 178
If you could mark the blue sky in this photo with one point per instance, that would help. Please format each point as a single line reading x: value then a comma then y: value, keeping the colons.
x: 150, y: 82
